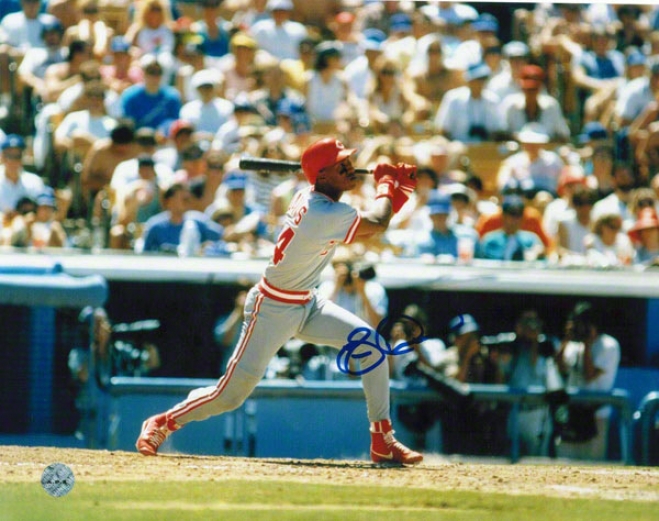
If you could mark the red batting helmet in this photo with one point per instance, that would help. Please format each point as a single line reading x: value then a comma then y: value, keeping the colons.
x: 321, y: 154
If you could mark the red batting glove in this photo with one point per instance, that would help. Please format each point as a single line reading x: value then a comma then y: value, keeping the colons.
x: 406, y: 181
x: 385, y: 178
x: 383, y: 170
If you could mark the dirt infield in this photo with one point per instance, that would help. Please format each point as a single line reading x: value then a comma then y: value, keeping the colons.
x: 25, y: 464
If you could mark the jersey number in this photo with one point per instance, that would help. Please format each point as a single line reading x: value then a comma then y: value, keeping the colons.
x: 284, y: 239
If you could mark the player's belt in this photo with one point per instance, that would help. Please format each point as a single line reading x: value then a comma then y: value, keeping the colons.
x: 284, y: 295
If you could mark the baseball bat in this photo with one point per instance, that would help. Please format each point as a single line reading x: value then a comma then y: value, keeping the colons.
x: 278, y: 165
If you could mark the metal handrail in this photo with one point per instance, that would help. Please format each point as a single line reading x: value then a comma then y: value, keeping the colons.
x: 400, y: 392
x: 647, y: 412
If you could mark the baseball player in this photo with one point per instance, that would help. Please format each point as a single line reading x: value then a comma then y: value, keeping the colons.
x: 284, y: 304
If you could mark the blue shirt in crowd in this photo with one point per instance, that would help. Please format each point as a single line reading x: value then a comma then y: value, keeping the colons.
x: 161, y: 235
x: 156, y: 111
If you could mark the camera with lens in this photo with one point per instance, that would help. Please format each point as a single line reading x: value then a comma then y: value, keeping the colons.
x: 363, y: 271
x: 509, y: 344
x: 478, y: 131
x: 129, y: 358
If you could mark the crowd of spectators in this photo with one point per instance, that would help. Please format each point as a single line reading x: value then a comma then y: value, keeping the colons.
x: 110, y: 106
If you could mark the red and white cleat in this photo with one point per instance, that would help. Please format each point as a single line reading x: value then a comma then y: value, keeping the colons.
x: 386, y: 449
x: 154, y: 432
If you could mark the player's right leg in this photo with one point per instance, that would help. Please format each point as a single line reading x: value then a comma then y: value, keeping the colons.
x: 331, y: 325
x: 268, y: 325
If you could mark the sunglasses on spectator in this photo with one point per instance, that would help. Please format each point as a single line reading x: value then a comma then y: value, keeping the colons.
x: 90, y: 10
x: 388, y: 72
x: 646, y: 203
x: 154, y: 72
x: 215, y: 166
x: 582, y: 203
x: 13, y: 155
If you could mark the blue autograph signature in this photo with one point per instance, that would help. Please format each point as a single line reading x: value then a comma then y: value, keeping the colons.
x: 365, y: 336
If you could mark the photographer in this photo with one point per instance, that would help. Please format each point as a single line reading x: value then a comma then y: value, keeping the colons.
x: 588, y: 359
x: 522, y: 355
x: 480, y: 427
x: 101, y: 352
x: 354, y: 288
x: 412, y: 327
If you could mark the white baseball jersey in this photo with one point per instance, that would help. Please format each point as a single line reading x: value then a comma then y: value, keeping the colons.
x: 313, y: 226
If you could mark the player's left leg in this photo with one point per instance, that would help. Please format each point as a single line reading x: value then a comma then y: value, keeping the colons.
x: 332, y: 325
x: 267, y: 326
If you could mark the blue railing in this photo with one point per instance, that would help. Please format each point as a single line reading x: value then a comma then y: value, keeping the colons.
x: 645, y: 416
x: 123, y: 388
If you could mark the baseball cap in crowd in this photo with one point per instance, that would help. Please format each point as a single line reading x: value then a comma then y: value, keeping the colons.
x: 46, y: 198
x: 145, y: 160
x: 522, y: 187
x: 570, y: 175
x: 592, y: 131
x: 179, y: 126
x: 13, y: 141
x: 460, y: 191
x: 150, y: 62
x: 204, y: 77
x: 533, y: 133
x: 513, y: 205
x: 486, y: 23
x: 400, y: 23
x: 647, y: 218
x: 439, y: 204
x: 321, y: 154
x: 531, y: 77
x: 328, y: 48
x: 373, y: 39
x: 288, y: 107
x: 241, y: 39
x: 194, y: 46
x: 119, y: 44
x: 462, y: 324
x: 146, y: 136
x: 515, y: 49
x: 235, y: 180
x: 477, y: 71
x: 279, y: 5
x: 52, y: 25
x: 241, y: 103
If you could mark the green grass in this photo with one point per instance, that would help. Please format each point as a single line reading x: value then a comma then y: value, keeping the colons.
x: 249, y: 500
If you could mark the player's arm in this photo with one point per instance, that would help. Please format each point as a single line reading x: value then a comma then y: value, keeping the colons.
x: 394, y: 185
x: 376, y: 219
